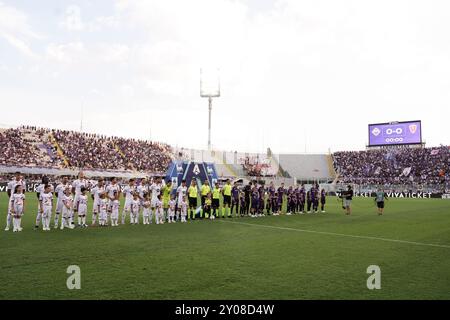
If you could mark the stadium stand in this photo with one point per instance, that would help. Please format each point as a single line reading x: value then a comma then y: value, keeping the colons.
x: 306, y: 166
x: 20, y: 147
x: 47, y: 151
x: 28, y: 146
x: 395, y: 166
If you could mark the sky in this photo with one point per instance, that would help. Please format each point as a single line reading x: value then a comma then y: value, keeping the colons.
x: 296, y: 76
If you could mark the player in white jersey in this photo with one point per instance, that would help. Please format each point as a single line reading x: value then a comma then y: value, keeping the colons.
x: 129, y: 191
x: 17, y: 207
x: 155, y: 189
x: 46, y: 206
x: 18, y: 180
x: 142, y: 188
x: 135, y: 206
x: 183, y: 208
x: 82, y: 207
x: 159, y: 213
x: 115, y: 206
x: 81, y: 182
x: 59, y: 192
x: 67, y: 209
x: 172, y: 204
x: 95, y: 193
x: 181, y: 194
x: 146, y: 212
x: 39, y: 191
x: 103, y: 210
x: 111, y: 189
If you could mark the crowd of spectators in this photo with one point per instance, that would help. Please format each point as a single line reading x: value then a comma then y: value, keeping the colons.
x: 17, y: 150
x: 89, y: 151
x: 427, y: 166
x: 145, y: 155
x: 81, y: 150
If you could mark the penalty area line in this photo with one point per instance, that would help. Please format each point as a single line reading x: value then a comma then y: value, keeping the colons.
x: 341, y: 234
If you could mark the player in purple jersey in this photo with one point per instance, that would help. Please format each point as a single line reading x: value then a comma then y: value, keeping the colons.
x: 281, y: 192
x: 314, y: 198
x: 296, y: 198
x: 272, y: 199
x: 290, y: 201
x: 243, y: 204
x: 322, y: 200
x: 255, y: 201
x: 302, y: 199
x: 235, y: 199
x: 262, y: 193
x: 308, y: 201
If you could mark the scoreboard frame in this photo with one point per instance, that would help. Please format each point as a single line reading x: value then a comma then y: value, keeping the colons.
x: 393, y: 123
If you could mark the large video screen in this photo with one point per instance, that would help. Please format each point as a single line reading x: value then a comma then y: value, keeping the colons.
x: 406, y: 132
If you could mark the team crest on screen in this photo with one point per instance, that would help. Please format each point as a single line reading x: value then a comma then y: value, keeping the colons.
x: 412, y: 128
x: 376, y: 132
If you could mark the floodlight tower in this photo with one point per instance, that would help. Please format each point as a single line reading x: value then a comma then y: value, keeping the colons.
x: 209, y: 88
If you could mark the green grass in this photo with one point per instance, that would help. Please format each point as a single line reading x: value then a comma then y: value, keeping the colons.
x: 240, y: 258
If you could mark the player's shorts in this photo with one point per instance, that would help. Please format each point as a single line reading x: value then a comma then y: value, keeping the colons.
x: 153, y: 204
x: 226, y: 200
x: 347, y: 202
x: 82, y: 210
x: 215, y: 203
x: 261, y: 204
x: 66, y: 213
x: 380, y: 204
x: 135, y: 213
x: 115, y: 214
x: 192, y: 202
x: 95, y: 207
x: 47, y: 212
x: 127, y: 206
x: 75, y: 202
x: 18, y: 211
x: 146, y: 212
x: 103, y: 215
x: 59, y: 206
x: 255, y: 204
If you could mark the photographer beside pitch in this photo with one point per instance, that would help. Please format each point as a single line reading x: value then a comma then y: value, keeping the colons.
x: 347, y: 197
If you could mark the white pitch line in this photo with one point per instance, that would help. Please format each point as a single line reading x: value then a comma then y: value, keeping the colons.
x: 341, y: 234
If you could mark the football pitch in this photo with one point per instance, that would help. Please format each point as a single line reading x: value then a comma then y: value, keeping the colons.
x: 311, y: 256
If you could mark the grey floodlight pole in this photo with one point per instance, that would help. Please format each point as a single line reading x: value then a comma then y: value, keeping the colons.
x: 209, y: 92
x: 209, y: 122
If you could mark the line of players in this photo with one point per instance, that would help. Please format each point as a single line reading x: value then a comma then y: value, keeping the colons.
x: 298, y: 200
x: 156, y: 200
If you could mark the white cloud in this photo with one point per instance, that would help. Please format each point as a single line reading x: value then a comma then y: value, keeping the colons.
x: 115, y: 53
x: 72, y: 19
x: 66, y: 53
x: 19, y: 44
x: 127, y: 91
x: 14, y: 28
